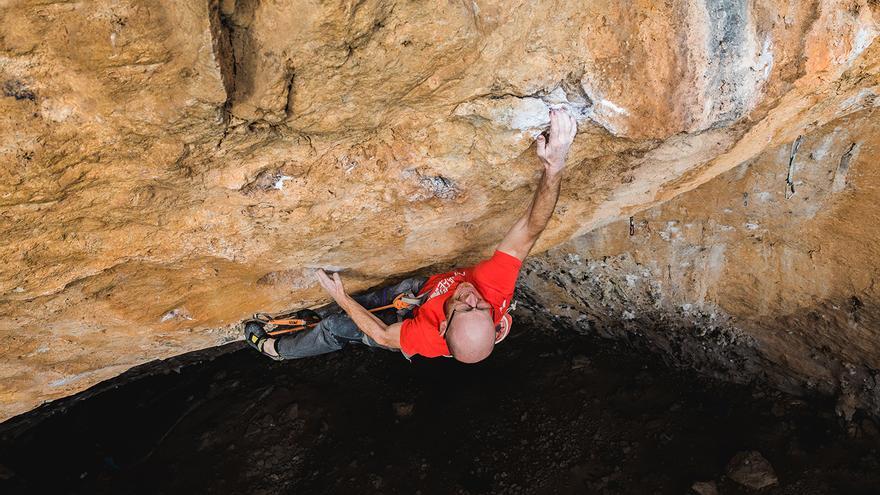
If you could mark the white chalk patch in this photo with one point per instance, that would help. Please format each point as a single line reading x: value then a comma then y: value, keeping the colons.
x: 279, y: 184
x: 70, y: 379
x: 55, y: 111
x: 863, y: 39
x: 530, y: 114
x: 556, y: 97
x: 63, y: 381
x: 39, y: 350
x: 176, y: 313
x: 613, y: 107
x: 821, y: 151
x: 631, y: 280
x: 765, y: 61
x: 670, y: 231
x: 858, y: 101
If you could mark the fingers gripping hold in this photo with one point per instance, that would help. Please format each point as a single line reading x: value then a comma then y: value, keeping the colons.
x: 553, y: 150
x: 333, y: 286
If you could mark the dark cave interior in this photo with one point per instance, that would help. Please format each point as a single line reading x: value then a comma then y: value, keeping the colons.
x: 549, y: 412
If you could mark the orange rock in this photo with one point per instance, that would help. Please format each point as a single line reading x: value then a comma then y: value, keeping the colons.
x: 167, y: 155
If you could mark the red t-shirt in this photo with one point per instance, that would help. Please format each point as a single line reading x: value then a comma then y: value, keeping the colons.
x: 494, y: 278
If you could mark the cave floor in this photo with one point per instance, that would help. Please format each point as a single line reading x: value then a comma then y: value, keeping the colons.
x: 549, y: 412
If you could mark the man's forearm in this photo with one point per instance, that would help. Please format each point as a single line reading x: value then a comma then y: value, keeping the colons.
x: 366, y: 321
x: 543, y: 203
x: 553, y: 153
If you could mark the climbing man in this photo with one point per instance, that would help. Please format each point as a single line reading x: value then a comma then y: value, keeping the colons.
x: 462, y: 313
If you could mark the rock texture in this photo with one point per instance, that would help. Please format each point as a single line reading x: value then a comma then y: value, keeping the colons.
x: 752, y: 470
x: 171, y: 166
x: 742, y: 279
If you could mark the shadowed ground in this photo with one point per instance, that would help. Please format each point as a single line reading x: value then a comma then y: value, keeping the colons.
x: 547, y: 413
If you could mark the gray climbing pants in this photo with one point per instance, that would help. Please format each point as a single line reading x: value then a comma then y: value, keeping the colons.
x: 337, y: 329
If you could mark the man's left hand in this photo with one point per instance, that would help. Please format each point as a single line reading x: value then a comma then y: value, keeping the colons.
x: 333, y: 286
x: 554, y: 151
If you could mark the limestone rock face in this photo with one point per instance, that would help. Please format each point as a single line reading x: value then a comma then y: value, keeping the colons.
x: 169, y: 167
x: 742, y: 278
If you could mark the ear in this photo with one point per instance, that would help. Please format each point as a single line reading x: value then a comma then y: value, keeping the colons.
x: 443, y: 325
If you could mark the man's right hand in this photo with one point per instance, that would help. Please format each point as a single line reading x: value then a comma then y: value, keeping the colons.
x: 553, y: 154
x: 333, y: 286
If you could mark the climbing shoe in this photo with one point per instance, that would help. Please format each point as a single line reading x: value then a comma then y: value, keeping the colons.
x: 255, y: 335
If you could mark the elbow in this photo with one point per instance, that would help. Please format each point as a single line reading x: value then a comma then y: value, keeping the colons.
x: 382, y: 340
x: 534, y: 227
x: 533, y: 232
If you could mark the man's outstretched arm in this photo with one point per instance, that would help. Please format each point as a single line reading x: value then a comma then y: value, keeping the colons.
x: 384, y: 335
x: 552, y: 153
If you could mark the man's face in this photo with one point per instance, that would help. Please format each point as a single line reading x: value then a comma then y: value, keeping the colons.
x: 468, y: 307
x: 466, y: 299
x: 466, y: 294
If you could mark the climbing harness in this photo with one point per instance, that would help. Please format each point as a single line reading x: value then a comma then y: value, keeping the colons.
x: 295, y: 321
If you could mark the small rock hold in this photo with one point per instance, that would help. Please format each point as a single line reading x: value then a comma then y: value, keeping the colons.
x: 869, y: 428
x: 704, y: 488
x: 6, y: 473
x: 752, y: 470
x: 176, y: 313
x: 579, y: 361
x: 403, y: 409
x: 778, y: 409
x: 293, y: 411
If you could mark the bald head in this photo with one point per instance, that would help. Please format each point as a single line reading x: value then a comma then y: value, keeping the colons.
x: 471, y: 336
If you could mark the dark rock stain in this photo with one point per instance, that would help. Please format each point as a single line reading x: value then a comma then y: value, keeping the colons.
x: 16, y: 89
x: 728, y: 26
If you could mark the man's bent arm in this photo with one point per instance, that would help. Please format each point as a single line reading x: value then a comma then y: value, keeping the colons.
x: 384, y: 335
x: 376, y: 329
x: 525, y: 232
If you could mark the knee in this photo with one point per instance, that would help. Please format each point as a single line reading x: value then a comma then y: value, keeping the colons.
x: 415, y: 284
x: 340, y: 325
